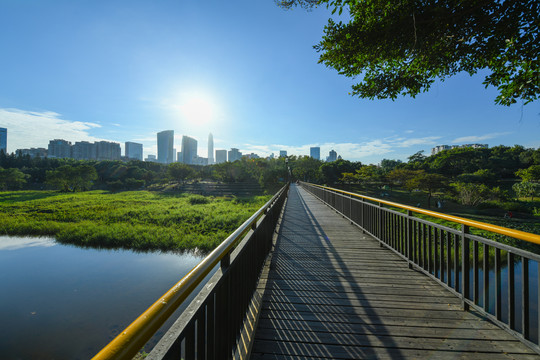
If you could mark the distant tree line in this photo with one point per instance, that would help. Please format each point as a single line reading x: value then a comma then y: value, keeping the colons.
x: 472, y: 176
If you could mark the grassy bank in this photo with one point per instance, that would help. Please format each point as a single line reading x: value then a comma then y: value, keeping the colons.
x: 139, y: 220
x: 520, y: 221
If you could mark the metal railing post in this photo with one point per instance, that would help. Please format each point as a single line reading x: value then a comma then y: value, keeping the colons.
x: 465, y: 243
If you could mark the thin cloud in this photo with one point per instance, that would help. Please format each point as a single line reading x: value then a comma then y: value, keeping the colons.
x: 428, y: 140
x: 34, y: 129
x: 474, y: 138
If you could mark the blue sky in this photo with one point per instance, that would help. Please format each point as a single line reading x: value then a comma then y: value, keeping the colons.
x: 244, y: 70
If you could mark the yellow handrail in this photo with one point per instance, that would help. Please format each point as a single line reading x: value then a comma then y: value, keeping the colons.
x: 517, y: 234
x: 128, y: 343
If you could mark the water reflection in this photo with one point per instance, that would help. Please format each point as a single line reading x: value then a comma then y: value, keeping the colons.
x: 65, y: 302
x: 11, y: 243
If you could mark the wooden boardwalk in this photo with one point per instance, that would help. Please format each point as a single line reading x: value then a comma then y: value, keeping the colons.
x: 334, y: 293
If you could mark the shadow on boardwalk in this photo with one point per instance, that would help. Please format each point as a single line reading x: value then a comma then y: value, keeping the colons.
x: 332, y: 292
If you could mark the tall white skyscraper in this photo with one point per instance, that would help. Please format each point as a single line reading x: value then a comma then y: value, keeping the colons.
x: 165, y: 146
x: 189, y: 150
x: 3, y: 140
x: 210, y: 149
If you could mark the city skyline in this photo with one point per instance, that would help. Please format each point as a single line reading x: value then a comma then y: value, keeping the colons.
x: 192, y: 67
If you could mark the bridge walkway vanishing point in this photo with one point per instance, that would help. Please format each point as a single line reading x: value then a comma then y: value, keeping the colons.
x: 333, y: 292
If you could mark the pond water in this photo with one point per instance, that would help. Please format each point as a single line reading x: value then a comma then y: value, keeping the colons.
x: 66, y: 302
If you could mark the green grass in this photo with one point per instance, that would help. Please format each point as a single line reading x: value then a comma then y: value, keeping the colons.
x: 139, y: 220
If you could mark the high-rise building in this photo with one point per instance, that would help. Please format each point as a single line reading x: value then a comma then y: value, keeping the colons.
x: 151, y: 158
x: 165, y: 145
x: 282, y: 153
x: 3, y: 140
x: 315, y: 152
x: 133, y: 150
x: 332, y: 156
x: 106, y: 150
x: 210, y: 149
x: 189, y: 150
x: 59, y: 148
x: 179, y: 156
x: 221, y: 156
x: 234, y: 155
x: 84, y: 150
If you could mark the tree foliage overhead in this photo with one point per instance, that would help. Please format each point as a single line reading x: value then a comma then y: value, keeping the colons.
x: 402, y: 47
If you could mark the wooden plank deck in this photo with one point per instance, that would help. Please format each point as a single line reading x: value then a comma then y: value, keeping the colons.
x: 334, y: 293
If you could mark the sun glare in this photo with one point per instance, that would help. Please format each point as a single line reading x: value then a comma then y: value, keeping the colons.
x: 198, y: 109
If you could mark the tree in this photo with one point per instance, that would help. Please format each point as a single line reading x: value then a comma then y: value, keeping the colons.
x: 428, y: 183
x: 399, y: 177
x: 531, y: 174
x: 402, y: 47
x: 525, y: 189
x: 179, y: 172
x: 72, y: 178
x: 12, y: 178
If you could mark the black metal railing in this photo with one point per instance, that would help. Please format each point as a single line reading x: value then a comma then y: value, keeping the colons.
x: 500, y: 281
x: 218, y: 322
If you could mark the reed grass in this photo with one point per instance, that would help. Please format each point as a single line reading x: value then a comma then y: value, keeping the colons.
x: 138, y: 220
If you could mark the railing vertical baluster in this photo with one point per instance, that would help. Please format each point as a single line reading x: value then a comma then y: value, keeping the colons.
x: 486, y: 277
x: 190, y: 342
x: 448, y: 259
x: 429, y: 249
x: 456, y: 262
x: 476, y: 294
x: 465, y: 243
x: 511, y: 292
x: 422, y: 245
x: 362, y: 215
x: 436, y: 253
x: 441, y: 253
x: 409, y: 239
x: 201, y: 334
x: 525, y: 297
x: 498, y: 305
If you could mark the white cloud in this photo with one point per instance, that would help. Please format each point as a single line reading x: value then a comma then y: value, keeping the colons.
x: 429, y: 140
x: 474, y: 138
x: 368, y: 152
x: 34, y: 129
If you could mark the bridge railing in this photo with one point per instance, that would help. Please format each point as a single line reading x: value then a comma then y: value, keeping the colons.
x: 499, y: 281
x: 212, y: 324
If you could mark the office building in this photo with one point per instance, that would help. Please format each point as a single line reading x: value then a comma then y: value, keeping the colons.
x: 210, y: 149
x: 59, y: 148
x: 179, y: 156
x: 3, y: 140
x: 282, y: 153
x: 189, y: 150
x: 151, y: 158
x: 332, y: 156
x: 437, y: 149
x: 32, y: 152
x: 221, y: 156
x: 200, y: 161
x: 234, y: 154
x: 106, y: 150
x: 315, y: 152
x: 133, y: 151
x: 84, y: 150
x: 165, y: 144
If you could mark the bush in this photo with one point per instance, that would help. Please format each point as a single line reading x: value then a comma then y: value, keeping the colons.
x: 198, y: 199
x: 515, y: 206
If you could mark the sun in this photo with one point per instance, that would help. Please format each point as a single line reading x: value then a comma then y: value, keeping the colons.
x: 198, y: 109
